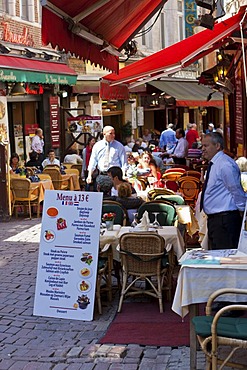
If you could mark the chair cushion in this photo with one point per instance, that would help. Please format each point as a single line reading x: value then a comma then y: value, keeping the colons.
x: 229, y: 327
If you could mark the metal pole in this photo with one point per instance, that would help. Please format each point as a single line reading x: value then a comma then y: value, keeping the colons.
x: 243, y: 51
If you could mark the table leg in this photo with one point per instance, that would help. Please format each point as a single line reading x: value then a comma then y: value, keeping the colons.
x: 193, y: 311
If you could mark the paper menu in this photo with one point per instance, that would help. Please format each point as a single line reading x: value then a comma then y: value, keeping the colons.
x: 68, y: 255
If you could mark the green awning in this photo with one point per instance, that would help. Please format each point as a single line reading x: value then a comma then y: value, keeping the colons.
x: 17, y: 69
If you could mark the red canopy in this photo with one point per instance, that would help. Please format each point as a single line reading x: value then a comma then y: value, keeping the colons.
x: 114, y: 22
x: 177, y: 56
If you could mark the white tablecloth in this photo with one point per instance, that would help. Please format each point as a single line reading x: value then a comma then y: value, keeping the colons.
x: 170, y: 233
x: 196, y: 283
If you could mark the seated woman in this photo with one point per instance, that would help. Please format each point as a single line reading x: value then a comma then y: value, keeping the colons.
x: 14, y: 163
x: 130, y: 203
x: 72, y: 157
x: 146, y: 162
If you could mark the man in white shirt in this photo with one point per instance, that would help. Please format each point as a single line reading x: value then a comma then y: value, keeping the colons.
x: 106, y: 153
x: 51, y: 160
x: 37, y: 144
x: 180, y: 151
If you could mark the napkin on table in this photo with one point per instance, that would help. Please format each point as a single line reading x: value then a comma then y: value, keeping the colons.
x: 145, y: 222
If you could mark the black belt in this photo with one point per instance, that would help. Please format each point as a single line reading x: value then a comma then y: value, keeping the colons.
x: 219, y: 214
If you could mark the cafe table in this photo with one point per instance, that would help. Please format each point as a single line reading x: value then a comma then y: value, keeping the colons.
x: 171, y: 234
x: 40, y: 187
x: 196, y: 281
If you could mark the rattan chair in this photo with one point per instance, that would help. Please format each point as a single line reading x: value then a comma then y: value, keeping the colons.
x: 23, y: 195
x: 175, y: 169
x: 141, y: 259
x: 189, y: 187
x: 159, y: 191
x: 216, y: 331
x: 117, y: 208
x: 192, y: 173
x: 58, y: 182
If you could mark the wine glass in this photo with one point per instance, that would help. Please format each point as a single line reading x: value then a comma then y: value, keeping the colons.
x: 156, y: 223
x: 134, y: 223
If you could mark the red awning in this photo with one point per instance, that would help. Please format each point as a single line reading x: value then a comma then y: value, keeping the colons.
x: 19, y: 69
x: 16, y: 62
x: 113, y: 22
x: 177, y: 56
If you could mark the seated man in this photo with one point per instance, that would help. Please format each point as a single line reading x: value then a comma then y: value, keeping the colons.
x: 104, y: 185
x: 51, y: 160
x: 116, y: 174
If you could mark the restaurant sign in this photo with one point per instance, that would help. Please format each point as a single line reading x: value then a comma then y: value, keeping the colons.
x: 14, y: 75
x: 68, y: 255
x: 54, y: 122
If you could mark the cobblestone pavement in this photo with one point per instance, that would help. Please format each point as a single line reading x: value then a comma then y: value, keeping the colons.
x: 30, y: 342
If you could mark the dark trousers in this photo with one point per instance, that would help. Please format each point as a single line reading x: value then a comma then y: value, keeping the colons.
x: 179, y: 160
x: 224, y: 230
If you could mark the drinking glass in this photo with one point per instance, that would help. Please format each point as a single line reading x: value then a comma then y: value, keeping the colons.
x: 156, y: 223
x: 134, y: 223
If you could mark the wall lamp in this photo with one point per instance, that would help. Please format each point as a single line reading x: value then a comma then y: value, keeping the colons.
x: 207, y: 4
x: 4, y: 49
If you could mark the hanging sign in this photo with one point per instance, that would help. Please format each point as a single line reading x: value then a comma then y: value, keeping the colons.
x: 85, y: 124
x: 68, y: 255
x: 54, y: 122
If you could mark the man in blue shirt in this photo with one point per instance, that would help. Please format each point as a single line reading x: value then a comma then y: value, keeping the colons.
x: 223, y: 198
x: 167, y: 138
x: 106, y: 153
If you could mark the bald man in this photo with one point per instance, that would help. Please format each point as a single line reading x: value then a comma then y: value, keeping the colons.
x: 106, y: 153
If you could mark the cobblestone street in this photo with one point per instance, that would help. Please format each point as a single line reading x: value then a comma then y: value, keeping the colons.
x: 36, y: 343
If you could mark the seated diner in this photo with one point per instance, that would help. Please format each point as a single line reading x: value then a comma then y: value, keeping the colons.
x: 51, y: 159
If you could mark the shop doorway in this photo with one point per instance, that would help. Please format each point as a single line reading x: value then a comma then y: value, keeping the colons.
x: 24, y: 118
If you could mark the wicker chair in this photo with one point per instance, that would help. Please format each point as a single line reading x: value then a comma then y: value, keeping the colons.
x: 58, y: 182
x: 192, y: 173
x: 174, y: 199
x: 175, y: 169
x: 190, y: 187
x: 171, y: 179
x: 159, y: 191
x: 23, y: 195
x: 216, y: 331
x: 141, y: 256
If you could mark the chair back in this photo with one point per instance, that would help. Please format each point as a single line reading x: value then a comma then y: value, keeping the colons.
x: 166, y: 212
x: 174, y: 199
x: 20, y: 187
x: 109, y: 206
x: 44, y: 176
x: 141, y: 253
x: 175, y: 169
x: 190, y: 187
x: 192, y: 173
x: 170, y: 180
x: 77, y: 167
x: 54, y: 173
x: 159, y: 191
x: 31, y: 171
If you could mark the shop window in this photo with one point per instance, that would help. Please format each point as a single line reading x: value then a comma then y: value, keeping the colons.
x: 4, y: 6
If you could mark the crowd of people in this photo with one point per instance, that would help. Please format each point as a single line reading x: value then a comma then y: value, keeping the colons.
x: 110, y: 167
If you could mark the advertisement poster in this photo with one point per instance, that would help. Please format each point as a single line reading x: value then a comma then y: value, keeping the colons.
x: 68, y: 255
x: 242, y: 245
x: 85, y: 124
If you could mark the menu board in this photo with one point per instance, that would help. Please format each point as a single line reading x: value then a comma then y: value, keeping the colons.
x: 242, y: 244
x: 68, y: 255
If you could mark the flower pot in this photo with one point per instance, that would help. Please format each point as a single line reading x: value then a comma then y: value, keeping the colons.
x: 109, y: 224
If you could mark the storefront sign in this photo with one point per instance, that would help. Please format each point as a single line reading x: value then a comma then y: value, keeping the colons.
x: 108, y: 92
x: 54, y: 122
x: 239, y: 127
x: 190, y: 12
x: 68, y: 255
x: 12, y: 75
x: 85, y: 124
x: 22, y: 37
